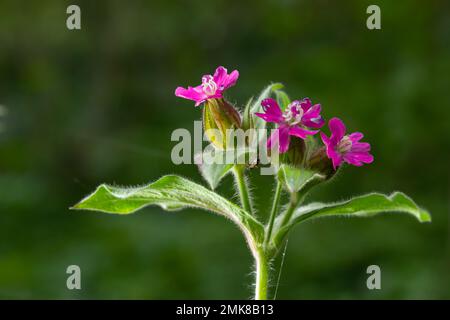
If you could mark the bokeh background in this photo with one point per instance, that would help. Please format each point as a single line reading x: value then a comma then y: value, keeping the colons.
x: 96, y: 105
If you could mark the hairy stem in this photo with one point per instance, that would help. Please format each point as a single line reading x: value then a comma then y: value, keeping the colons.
x: 242, y: 187
x: 262, y: 275
x: 273, y: 212
x: 290, y: 210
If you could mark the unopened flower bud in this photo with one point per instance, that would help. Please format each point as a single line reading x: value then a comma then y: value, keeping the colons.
x: 218, y: 117
x: 320, y: 162
x: 296, y: 153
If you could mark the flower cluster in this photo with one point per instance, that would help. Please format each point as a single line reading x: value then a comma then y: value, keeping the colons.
x: 299, y: 119
x: 300, y: 116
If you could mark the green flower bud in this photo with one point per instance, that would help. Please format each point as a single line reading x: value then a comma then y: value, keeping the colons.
x: 296, y: 153
x: 218, y: 117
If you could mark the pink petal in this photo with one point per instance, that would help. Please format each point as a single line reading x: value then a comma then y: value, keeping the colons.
x: 268, y: 117
x: 272, y: 111
x: 192, y: 93
x: 325, y: 139
x: 305, y: 104
x: 353, y: 161
x: 273, y: 140
x: 284, y: 139
x: 355, y: 136
x: 358, y: 158
x: 220, y: 75
x: 300, y: 132
x: 367, y: 158
x: 359, y: 152
x: 337, y: 129
x: 313, y: 112
x: 312, y: 117
x: 281, y: 138
x: 335, y: 157
x: 225, y: 80
x: 231, y: 80
x: 360, y: 147
x: 314, y: 122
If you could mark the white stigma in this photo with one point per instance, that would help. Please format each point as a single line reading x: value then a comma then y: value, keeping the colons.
x: 344, y: 145
x: 293, y: 118
x: 209, y: 86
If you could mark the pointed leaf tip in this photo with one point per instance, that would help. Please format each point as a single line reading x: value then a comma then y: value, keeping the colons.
x: 214, y: 171
x: 170, y: 193
x: 362, y: 206
x: 365, y: 206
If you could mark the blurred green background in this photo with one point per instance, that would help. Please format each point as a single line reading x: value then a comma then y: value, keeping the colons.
x: 97, y: 105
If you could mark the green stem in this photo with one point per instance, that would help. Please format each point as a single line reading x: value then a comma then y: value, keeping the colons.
x: 290, y: 210
x: 244, y: 194
x: 262, y: 276
x: 273, y: 213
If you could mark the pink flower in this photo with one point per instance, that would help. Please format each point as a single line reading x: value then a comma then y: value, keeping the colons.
x: 291, y: 122
x: 347, y: 148
x: 211, y: 87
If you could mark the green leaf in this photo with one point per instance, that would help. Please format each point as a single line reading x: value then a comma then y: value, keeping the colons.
x: 363, y: 206
x: 213, y: 172
x: 256, y: 105
x: 170, y: 193
x: 296, y: 179
x: 216, y: 164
